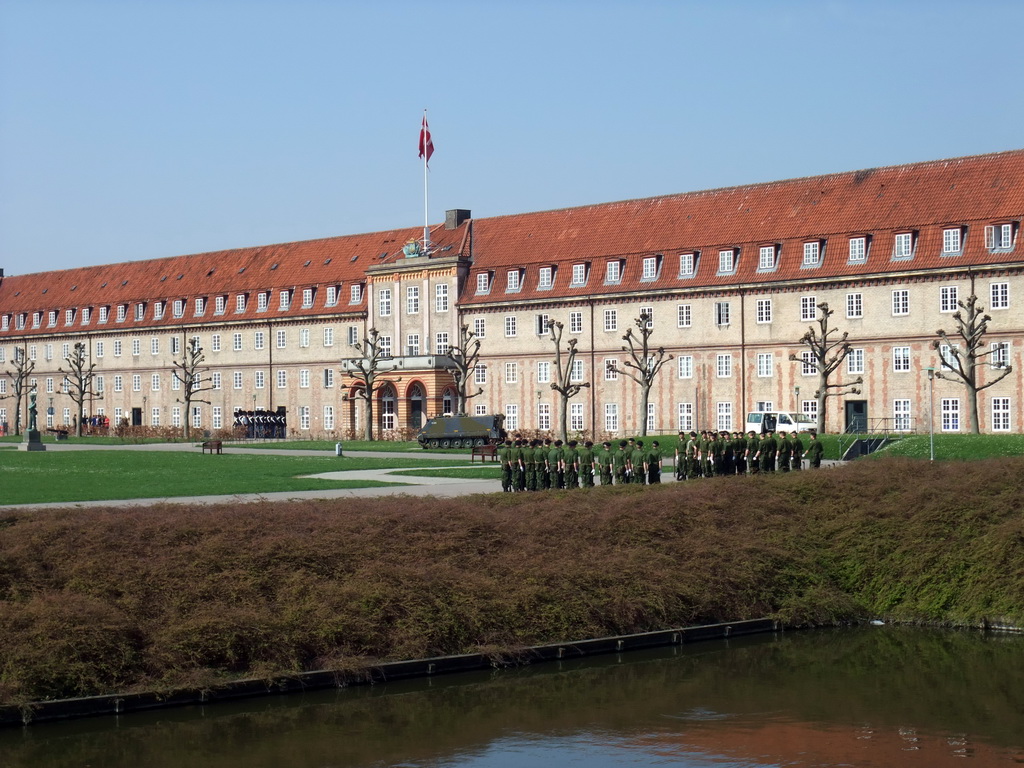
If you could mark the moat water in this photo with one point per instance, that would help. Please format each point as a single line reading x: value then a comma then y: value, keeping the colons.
x: 870, y: 696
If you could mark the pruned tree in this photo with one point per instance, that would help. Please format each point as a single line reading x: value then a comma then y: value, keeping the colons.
x: 19, y: 373
x: 962, y: 359
x: 564, y: 364
x: 464, y: 357
x: 365, y: 370
x: 79, y: 379
x: 189, y: 372
x: 827, y: 353
x: 644, y: 364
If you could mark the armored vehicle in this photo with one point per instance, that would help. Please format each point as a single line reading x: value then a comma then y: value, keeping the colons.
x: 462, y: 431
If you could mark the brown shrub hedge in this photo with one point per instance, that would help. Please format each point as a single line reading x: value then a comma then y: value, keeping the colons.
x: 96, y: 601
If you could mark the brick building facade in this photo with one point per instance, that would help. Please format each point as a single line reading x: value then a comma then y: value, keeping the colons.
x: 732, y: 278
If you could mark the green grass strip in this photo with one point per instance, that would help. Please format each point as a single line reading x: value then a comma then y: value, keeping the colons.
x: 52, y: 476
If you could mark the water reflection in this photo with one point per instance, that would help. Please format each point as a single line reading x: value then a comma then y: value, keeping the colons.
x: 864, y: 697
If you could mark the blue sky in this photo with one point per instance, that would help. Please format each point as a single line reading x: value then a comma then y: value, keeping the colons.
x: 137, y: 129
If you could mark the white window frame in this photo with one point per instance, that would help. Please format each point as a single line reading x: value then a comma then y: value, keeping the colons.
x: 611, y: 417
x: 1000, y: 410
x: 948, y: 297
x: 727, y: 261
x: 766, y: 257
x: 511, y: 373
x: 412, y: 299
x: 611, y: 320
x: 511, y: 326
x: 808, y: 309
x: 901, y: 359
x: 855, y: 361
x: 854, y: 306
x: 684, y: 367
x: 999, y: 296
x: 687, y: 264
x: 441, y: 297
x: 952, y: 241
x: 900, y: 302
x: 723, y: 366
x: 950, y: 410
x: 765, y: 364
x: 764, y: 311
x: 812, y: 253
x: 613, y: 272
x: 903, y: 245
x: 902, y: 415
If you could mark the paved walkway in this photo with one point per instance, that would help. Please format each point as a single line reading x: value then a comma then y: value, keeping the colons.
x: 413, y: 485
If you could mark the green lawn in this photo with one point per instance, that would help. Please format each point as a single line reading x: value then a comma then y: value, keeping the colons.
x: 957, y: 447
x: 27, y: 478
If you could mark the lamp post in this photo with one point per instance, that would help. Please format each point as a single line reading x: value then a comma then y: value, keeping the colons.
x: 931, y: 413
x: 796, y: 393
x: 145, y: 400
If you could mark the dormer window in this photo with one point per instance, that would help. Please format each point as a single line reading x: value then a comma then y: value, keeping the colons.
x: 5, y: 323
x: 727, y: 261
x: 766, y: 257
x: 1000, y: 237
x: 307, y: 298
x: 332, y: 296
x: 19, y: 321
x: 239, y: 303
x: 262, y: 301
x: 613, y: 271
x: 200, y: 306
x: 813, y: 252
x: 650, y: 268
x: 140, y: 311
x: 952, y: 241
x: 903, y: 245
x: 858, y: 250
x: 158, y: 310
x: 179, y: 307
x: 122, y: 312
x: 483, y: 282
x: 104, y: 314
x: 284, y: 300
x: 687, y: 264
x: 355, y: 293
x: 579, y: 275
x: 546, y: 278
x: 219, y: 305
x: 37, y: 319
x: 86, y: 315
x: 52, y: 319
x: 514, y: 281
x: 69, y: 317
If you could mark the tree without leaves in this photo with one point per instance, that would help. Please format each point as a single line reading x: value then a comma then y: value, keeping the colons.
x: 827, y: 354
x: 464, y: 357
x: 21, y: 370
x: 645, y: 365
x: 562, y: 384
x: 191, y: 378
x: 78, y: 380
x: 367, y: 369
x: 962, y: 363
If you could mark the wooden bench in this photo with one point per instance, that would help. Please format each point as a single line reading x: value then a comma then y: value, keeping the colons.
x: 213, y: 446
x: 483, y: 451
x: 60, y: 434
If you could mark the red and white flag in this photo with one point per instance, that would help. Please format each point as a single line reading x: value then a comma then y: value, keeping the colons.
x: 426, y: 143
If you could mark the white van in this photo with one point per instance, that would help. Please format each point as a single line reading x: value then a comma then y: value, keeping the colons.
x: 778, y: 421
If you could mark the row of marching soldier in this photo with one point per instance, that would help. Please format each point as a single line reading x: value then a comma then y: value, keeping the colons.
x: 723, y: 453
x: 540, y: 465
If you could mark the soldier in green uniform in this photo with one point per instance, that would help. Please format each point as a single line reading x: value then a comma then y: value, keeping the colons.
x: 586, y: 462
x: 724, y: 454
x: 515, y: 459
x: 797, y: 462
x: 638, y: 463
x: 543, y: 475
x: 530, y: 463
x: 654, y: 459
x: 691, y: 456
x: 605, y: 459
x: 680, y: 465
x: 768, y: 448
x: 814, y: 451
x: 782, y: 455
x: 555, y: 465
x: 739, y: 453
x: 504, y: 451
x: 571, y: 462
x: 753, y: 446
x: 620, y: 464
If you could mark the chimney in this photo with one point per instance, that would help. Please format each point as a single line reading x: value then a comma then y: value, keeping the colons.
x: 454, y: 218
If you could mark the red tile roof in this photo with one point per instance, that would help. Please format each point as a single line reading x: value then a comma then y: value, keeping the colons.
x: 337, y: 261
x: 878, y: 203
x: 922, y: 198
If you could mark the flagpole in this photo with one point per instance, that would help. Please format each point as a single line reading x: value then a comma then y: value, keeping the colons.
x: 426, y: 215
